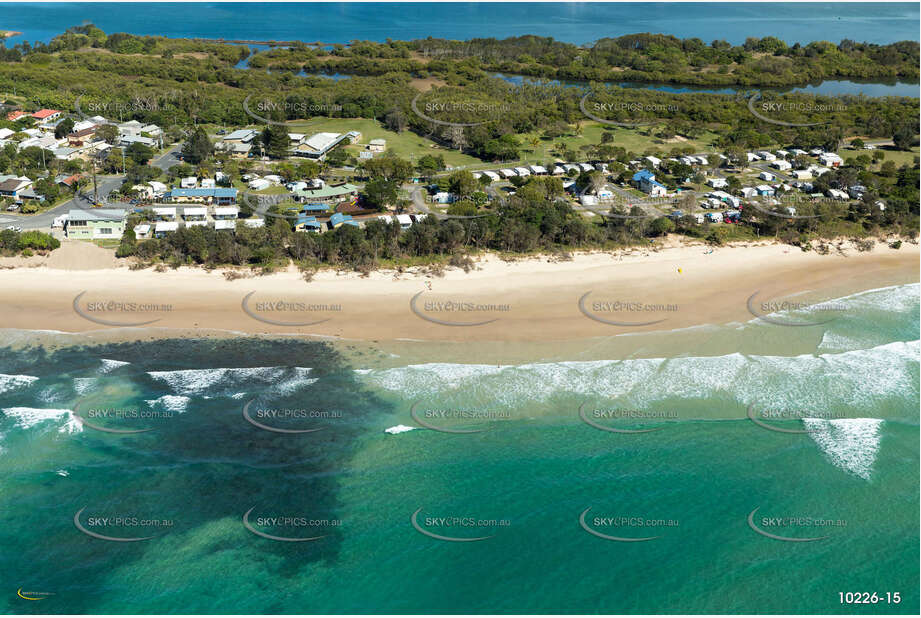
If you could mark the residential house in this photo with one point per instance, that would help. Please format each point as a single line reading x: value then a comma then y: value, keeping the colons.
x: 305, y: 223
x: 338, y: 220
x: 646, y: 182
x: 318, y: 146
x: 327, y: 194
x: 220, y: 195
x: 15, y: 187
x: 377, y: 145
x: 46, y: 115
x: 99, y: 223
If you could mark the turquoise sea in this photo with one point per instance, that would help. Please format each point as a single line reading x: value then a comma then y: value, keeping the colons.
x: 507, y: 456
x: 573, y: 22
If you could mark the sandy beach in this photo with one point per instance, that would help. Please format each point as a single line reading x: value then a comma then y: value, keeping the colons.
x: 533, y: 300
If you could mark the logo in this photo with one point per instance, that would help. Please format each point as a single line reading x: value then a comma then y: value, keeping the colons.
x: 776, y: 107
x: 588, y: 421
x: 608, y: 537
x: 252, y: 421
x: 619, y: 306
x: 780, y: 521
x: 281, y: 306
x: 450, y: 522
x: 276, y: 521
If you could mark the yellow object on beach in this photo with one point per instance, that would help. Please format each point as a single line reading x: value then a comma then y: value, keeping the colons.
x: 679, y: 270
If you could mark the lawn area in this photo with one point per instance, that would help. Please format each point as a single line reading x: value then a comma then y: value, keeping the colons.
x: 638, y: 140
x: 406, y: 145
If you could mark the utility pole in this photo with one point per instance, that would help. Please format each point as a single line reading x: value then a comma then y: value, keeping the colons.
x: 95, y: 186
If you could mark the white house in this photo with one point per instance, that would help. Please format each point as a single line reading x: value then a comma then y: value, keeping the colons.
x: 190, y: 182
x: 717, y: 183
x: 766, y: 176
x: 653, y: 161
x: 767, y: 156
x: 830, y: 159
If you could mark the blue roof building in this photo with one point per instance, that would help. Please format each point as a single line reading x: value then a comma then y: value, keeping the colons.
x: 219, y: 195
x: 644, y: 175
x: 340, y: 219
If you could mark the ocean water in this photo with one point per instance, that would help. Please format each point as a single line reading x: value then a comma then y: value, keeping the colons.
x: 573, y: 22
x: 511, y: 454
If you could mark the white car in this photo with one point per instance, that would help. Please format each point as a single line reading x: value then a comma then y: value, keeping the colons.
x: 14, y: 228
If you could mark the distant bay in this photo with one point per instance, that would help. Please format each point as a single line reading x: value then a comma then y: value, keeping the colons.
x: 580, y: 23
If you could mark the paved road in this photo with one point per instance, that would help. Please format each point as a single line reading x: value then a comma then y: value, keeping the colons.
x: 43, y: 221
x: 107, y: 184
x: 167, y: 159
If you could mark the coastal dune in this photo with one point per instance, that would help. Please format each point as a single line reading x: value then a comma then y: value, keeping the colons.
x: 531, y: 300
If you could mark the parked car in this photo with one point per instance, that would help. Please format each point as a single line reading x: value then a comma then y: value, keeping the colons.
x: 15, y: 228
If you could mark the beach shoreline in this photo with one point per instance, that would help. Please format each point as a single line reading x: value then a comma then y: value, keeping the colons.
x: 535, y: 300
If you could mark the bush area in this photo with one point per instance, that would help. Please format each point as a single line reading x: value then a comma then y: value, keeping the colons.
x: 14, y: 243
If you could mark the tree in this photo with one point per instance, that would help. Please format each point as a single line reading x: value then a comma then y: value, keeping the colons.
x: 662, y: 226
x: 139, y: 153
x: 903, y: 137
x: 275, y: 139
x: 395, y: 120
x: 463, y: 183
x: 198, y: 147
x: 64, y: 128
x: 107, y: 133
x: 380, y: 193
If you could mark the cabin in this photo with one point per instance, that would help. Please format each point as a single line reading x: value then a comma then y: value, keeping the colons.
x: 162, y: 228
x: 164, y: 213
x: 308, y: 224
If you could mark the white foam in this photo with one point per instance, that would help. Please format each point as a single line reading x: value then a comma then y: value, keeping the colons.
x: 84, y: 385
x: 802, y: 382
x: 399, y: 429
x: 62, y: 472
x: 173, y: 403
x: 30, y: 417
x: 849, y: 443
x: 199, y: 381
x: 9, y: 382
x: 110, y: 365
